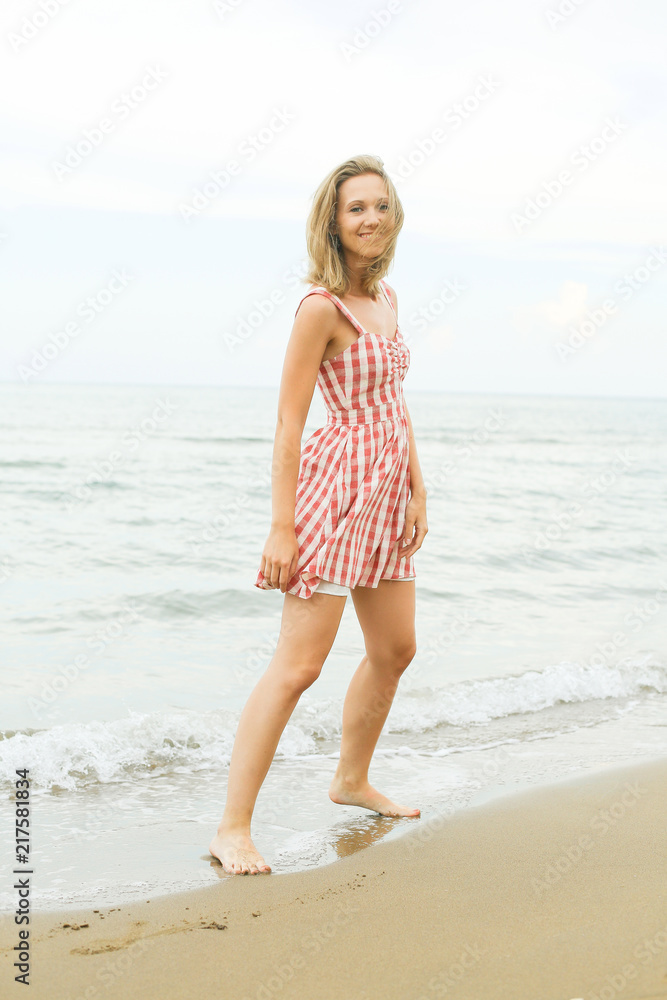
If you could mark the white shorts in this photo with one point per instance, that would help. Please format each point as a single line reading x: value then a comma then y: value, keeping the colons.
x: 325, y: 587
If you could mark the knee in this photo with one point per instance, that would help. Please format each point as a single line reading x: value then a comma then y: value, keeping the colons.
x: 301, y: 675
x: 405, y: 654
x: 397, y: 657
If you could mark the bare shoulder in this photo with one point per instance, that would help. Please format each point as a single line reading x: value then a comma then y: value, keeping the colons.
x: 394, y: 297
x: 313, y: 328
x: 318, y: 309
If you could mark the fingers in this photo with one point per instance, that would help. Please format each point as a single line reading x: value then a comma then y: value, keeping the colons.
x: 286, y: 573
x: 265, y: 569
x: 291, y: 569
x: 272, y: 572
x: 279, y: 574
x: 275, y: 575
x: 408, y: 550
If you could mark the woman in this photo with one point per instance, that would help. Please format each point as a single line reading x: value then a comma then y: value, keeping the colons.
x: 348, y: 512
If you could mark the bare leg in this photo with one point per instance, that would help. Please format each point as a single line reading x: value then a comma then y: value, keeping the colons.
x: 307, y: 631
x: 386, y: 615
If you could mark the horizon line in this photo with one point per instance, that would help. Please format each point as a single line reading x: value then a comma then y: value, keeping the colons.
x: 275, y: 388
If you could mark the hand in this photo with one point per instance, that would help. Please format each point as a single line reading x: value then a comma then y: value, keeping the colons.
x: 279, y: 557
x: 416, y: 526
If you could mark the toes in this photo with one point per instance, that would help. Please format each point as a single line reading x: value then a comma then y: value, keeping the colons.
x: 243, y: 863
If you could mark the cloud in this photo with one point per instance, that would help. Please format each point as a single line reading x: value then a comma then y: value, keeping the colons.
x: 440, y: 339
x: 553, y: 315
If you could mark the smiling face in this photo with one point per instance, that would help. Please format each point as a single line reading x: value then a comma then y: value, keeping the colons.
x: 360, y: 213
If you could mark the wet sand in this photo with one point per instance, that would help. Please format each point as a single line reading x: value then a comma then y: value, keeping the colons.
x: 554, y: 893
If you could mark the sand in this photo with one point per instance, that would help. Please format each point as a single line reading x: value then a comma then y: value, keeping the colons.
x: 554, y: 893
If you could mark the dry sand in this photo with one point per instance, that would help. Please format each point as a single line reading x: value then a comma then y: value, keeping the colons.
x: 554, y: 893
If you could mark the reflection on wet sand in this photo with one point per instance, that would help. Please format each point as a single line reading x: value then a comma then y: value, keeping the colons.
x: 362, y: 832
x: 357, y: 833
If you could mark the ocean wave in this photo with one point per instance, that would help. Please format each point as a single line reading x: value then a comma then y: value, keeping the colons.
x: 163, y: 607
x: 242, y: 439
x: 76, y: 755
x: 29, y: 463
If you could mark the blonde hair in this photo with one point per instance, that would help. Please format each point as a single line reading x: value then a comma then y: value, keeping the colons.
x: 325, y: 253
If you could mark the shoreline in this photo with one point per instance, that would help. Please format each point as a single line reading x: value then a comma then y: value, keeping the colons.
x: 552, y: 891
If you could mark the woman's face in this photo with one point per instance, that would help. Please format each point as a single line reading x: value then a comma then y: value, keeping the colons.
x: 360, y: 213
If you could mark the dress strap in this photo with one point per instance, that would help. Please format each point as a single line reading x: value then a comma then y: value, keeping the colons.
x: 346, y: 312
x: 386, y: 292
x: 317, y: 288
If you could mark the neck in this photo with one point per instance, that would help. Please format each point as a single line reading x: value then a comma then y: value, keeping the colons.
x: 356, y: 269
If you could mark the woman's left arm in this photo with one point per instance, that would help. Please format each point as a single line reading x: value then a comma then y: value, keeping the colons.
x: 415, y: 514
x: 416, y: 525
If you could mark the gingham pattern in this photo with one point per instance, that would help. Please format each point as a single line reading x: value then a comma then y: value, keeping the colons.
x: 354, y: 475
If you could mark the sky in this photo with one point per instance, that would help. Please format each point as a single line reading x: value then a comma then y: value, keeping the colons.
x: 159, y: 161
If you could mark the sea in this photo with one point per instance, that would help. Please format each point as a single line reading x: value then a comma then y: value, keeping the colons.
x: 133, y: 521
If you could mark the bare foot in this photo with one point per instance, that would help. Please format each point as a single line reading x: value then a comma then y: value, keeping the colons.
x: 237, y: 854
x: 367, y: 797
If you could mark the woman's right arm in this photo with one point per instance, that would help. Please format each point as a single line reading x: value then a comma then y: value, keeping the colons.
x: 313, y: 329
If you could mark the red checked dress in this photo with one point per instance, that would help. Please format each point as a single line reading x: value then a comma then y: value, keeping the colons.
x: 354, y: 475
